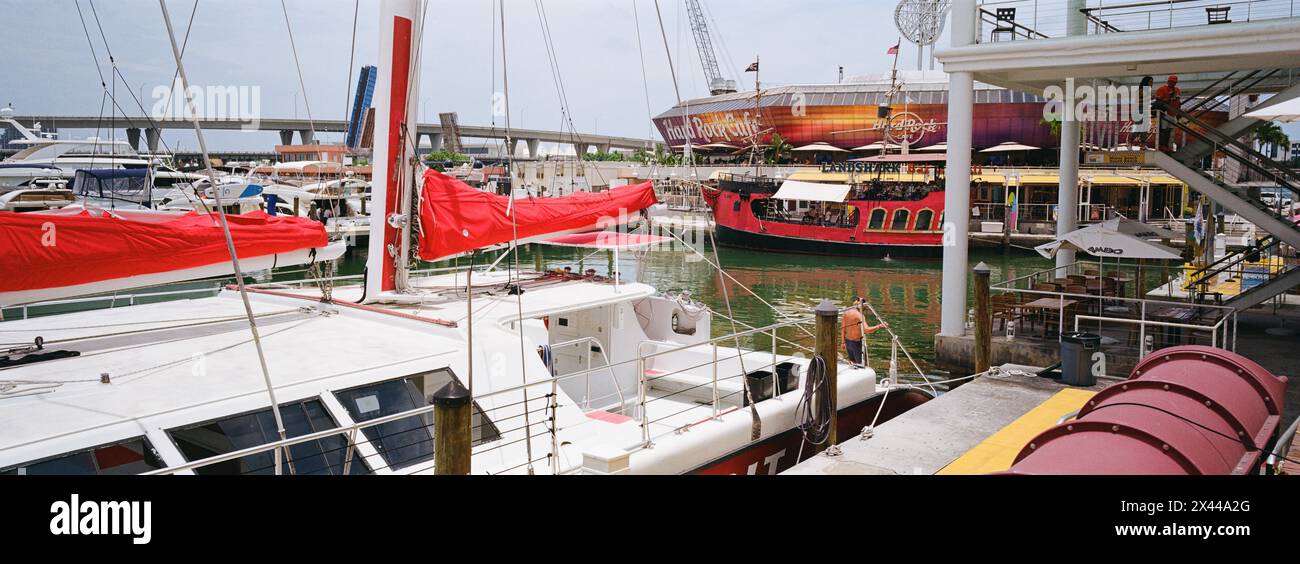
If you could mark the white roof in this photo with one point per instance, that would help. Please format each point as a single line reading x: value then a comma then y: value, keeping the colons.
x: 814, y: 191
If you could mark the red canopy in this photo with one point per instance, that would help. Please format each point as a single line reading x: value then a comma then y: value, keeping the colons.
x: 51, y: 250
x: 455, y: 218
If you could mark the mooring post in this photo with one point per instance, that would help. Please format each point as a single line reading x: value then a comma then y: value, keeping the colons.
x: 983, y: 320
x: 827, y: 334
x: 451, y: 429
x: 538, y: 260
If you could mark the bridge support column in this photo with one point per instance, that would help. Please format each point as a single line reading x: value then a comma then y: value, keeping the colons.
x: 581, y: 148
x: 151, y: 137
x: 436, y: 141
x: 514, y: 146
x: 307, y: 136
x: 956, y: 230
x: 133, y: 137
x: 286, y: 136
x: 534, y: 146
x: 605, y: 148
x: 419, y: 140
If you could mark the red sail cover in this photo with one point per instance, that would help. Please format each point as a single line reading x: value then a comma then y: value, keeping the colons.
x: 456, y: 218
x: 52, y: 250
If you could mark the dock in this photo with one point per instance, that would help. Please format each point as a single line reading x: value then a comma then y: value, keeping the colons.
x: 977, y: 428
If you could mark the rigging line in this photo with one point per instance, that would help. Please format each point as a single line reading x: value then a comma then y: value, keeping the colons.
x: 645, y: 82
x: 225, y: 227
x: 673, y: 71
x: 306, y: 100
x: 566, y: 110
x: 514, y: 223
x: 751, y: 292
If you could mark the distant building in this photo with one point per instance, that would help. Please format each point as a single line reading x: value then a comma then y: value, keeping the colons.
x: 334, y: 153
x: 1295, y: 150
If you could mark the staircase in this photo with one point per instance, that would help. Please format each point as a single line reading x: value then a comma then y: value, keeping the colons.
x: 1283, y: 229
x: 1236, y: 265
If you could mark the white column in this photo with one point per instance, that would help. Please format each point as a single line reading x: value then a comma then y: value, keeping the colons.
x: 961, y: 105
x: 1067, y: 198
x: 1067, y: 194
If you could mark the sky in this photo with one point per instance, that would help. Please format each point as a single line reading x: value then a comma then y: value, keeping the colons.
x: 246, y: 43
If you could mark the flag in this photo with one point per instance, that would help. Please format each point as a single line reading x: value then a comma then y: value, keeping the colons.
x: 893, y: 50
x: 1198, y: 227
x: 753, y: 67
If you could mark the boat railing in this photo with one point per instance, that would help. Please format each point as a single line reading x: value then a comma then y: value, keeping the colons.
x: 354, y: 445
x: 593, y: 345
x: 109, y: 300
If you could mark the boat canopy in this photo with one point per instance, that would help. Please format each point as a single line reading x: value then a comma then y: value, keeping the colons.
x: 118, y: 183
x: 61, y: 248
x: 456, y: 218
x: 812, y: 191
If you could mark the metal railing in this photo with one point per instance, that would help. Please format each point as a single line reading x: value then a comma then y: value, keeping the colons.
x: 112, y: 300
x: 1044, y: 19
x: 592, y: 341
x: 1223, y: 331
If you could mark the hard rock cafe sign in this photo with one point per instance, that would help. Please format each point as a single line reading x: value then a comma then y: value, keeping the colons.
x: 905, y: 128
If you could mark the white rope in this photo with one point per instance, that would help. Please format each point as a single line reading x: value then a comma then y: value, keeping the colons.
x: 225, y: 228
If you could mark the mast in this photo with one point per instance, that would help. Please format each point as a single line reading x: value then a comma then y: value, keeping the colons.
x: 394, y: 145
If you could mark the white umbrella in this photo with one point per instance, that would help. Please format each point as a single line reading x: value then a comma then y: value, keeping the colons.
x: 1009, y: 147
x: 1102, y: 241
x: 937, y: 147
x: 819, y: 147
x: 1286, y: 112
x: 877, y: 147
x: 1138, y: 229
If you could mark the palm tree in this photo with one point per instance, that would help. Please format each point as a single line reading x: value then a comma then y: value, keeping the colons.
x: 1270, y: 135
x: 779, y: 151
x: 1054, y: 125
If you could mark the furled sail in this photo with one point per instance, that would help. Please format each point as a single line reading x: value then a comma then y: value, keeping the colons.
x: 48, y: 255
x: 456, y: 218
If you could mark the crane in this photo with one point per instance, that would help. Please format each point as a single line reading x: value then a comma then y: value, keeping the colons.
x: 700, y: 29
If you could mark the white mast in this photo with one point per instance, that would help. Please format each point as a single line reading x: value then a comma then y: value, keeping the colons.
x: 394, y: 145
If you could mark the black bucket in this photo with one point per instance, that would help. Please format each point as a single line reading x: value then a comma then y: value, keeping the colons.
x: 787, y: 377
x: 760, y: 386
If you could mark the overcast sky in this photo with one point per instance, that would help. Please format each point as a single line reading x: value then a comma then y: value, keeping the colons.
x: 48, y: 67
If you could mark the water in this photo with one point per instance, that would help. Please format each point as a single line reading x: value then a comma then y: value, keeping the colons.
x: 906, y: 293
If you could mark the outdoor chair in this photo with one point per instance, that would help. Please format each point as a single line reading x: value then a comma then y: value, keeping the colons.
x: 1217, y: 15
x: 1005, y: 23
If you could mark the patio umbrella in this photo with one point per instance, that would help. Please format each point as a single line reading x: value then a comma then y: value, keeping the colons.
x: 937, y: 147
x: 878, y: 146
x: 1103, y: 240
x: 1138, y: 229
x: 815, y: 147
x: 1009, y: 147
x: 1285, y: 112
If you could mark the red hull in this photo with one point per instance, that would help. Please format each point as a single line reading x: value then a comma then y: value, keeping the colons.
x: 882, y: 227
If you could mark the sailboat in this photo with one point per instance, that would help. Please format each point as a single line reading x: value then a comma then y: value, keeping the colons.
x: 568, y: 372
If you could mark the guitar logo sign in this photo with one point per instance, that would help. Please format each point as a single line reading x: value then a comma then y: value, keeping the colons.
x: 906, y: 128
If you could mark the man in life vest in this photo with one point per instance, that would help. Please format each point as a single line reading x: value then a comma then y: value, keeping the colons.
x: 1168, y: 98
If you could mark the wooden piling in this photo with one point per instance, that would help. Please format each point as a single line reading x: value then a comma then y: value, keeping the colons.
x: 451, y: 430
x: 827, y: 334
x: 983, y: 319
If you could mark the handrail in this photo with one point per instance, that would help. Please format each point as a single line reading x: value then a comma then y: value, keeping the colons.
x: 1014, y: 25
x: 550, y: 381
x: 1238, y: 257
x: 1224, y: 139
x: 601, y: 349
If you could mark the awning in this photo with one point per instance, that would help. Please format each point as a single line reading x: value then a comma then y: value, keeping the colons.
x: 605, y: 240
x: 812, y: 191
x: 819, y: 147
x: 1009, y: 146
x: 1287, y: 111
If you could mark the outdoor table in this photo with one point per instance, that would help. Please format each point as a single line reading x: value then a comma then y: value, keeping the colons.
x: 1172, y: 314
x: 1042, y: 304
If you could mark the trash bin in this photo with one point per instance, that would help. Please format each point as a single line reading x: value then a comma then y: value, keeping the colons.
x: 1077, y: 351
x: 760, y: 386
x: 787, y: 377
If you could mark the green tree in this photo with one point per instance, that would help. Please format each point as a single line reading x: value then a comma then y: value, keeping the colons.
x: 1053, y: 125
x: 779, y: 151
x: 443, y: 155
x: 1270, y: 136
